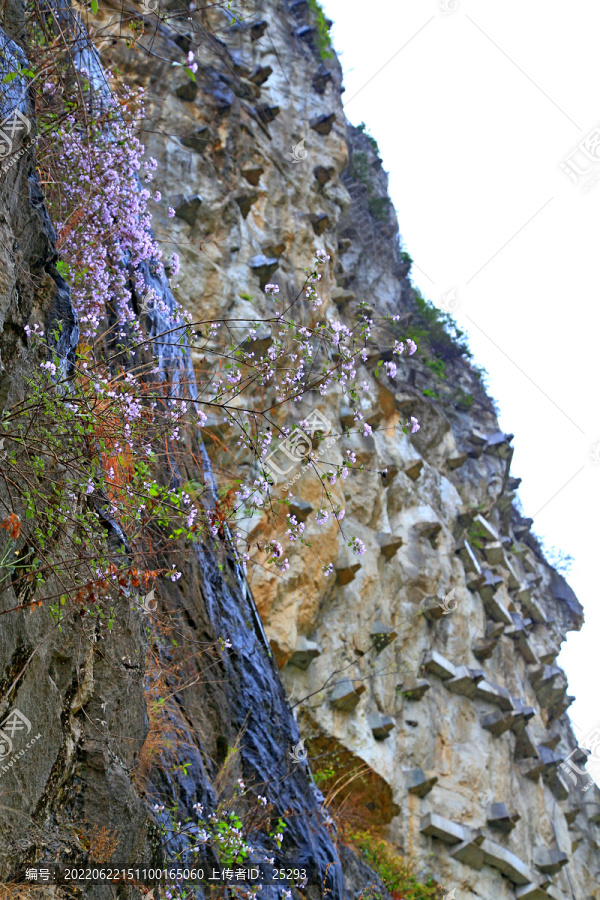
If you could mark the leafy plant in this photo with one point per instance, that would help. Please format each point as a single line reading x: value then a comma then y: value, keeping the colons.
x: 437, y: 366
x: 325, y: 774
x: 396, y: 872
x: 360, y: 168
x: 477, y: 535
x: 437, y: 330
x: 462, y: 400
x: 362, y: 128
x: 379, y: 206
x: 323, y: 38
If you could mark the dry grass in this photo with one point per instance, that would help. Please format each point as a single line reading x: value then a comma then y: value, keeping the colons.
x: 168, y: 730
x: 355, y: 795
x: 103, y: 843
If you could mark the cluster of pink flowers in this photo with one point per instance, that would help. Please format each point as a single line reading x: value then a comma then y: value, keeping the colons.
x: 108, y: 236
x: 108, y: 244
x: 295, y: 528
x: 105, y: 242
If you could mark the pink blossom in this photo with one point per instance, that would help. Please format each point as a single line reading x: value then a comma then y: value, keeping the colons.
x: 174, y: 265
x: 357, y: 545
x: 275, y: 548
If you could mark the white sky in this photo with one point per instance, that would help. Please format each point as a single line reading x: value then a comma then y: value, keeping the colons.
x: 474, y: 110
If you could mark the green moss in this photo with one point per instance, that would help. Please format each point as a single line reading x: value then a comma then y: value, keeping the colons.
x: 396, y: 872
x: 323, y: 39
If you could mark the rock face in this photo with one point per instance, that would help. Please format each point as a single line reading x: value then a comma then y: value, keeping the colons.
x: 78, y: 693
x: 462, y: 582
x: 60, y: 695
x: 430, y: 658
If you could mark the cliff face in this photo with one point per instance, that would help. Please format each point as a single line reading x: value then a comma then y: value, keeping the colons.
x: 108, y: 759
x: 430, y: 658
x: 57, y: 772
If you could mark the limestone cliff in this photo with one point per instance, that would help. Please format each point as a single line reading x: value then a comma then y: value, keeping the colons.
x: 429, y: 659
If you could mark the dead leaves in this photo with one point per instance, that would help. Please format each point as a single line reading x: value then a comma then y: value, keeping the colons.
x: 12, y: 524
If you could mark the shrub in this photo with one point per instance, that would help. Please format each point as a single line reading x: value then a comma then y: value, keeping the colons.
x: 437, y: 366
x: 437, y: 329
x: 362, y: 130
x: 477, y: 535
x: 462, y: 400
x: 379, y: 206
x: 396, y: 872
x: 323, y: 39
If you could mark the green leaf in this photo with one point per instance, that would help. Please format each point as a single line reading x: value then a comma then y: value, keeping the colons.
x: 190, y: 73
x: 10, y: 77
x: 95, y: 7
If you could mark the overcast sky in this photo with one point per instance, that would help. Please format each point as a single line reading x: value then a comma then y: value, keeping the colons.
x: 481, y: 110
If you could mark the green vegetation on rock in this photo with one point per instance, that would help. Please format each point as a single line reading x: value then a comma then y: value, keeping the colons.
x: 323, y: 39
x: 396, y: 872
x: 436, y: 330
